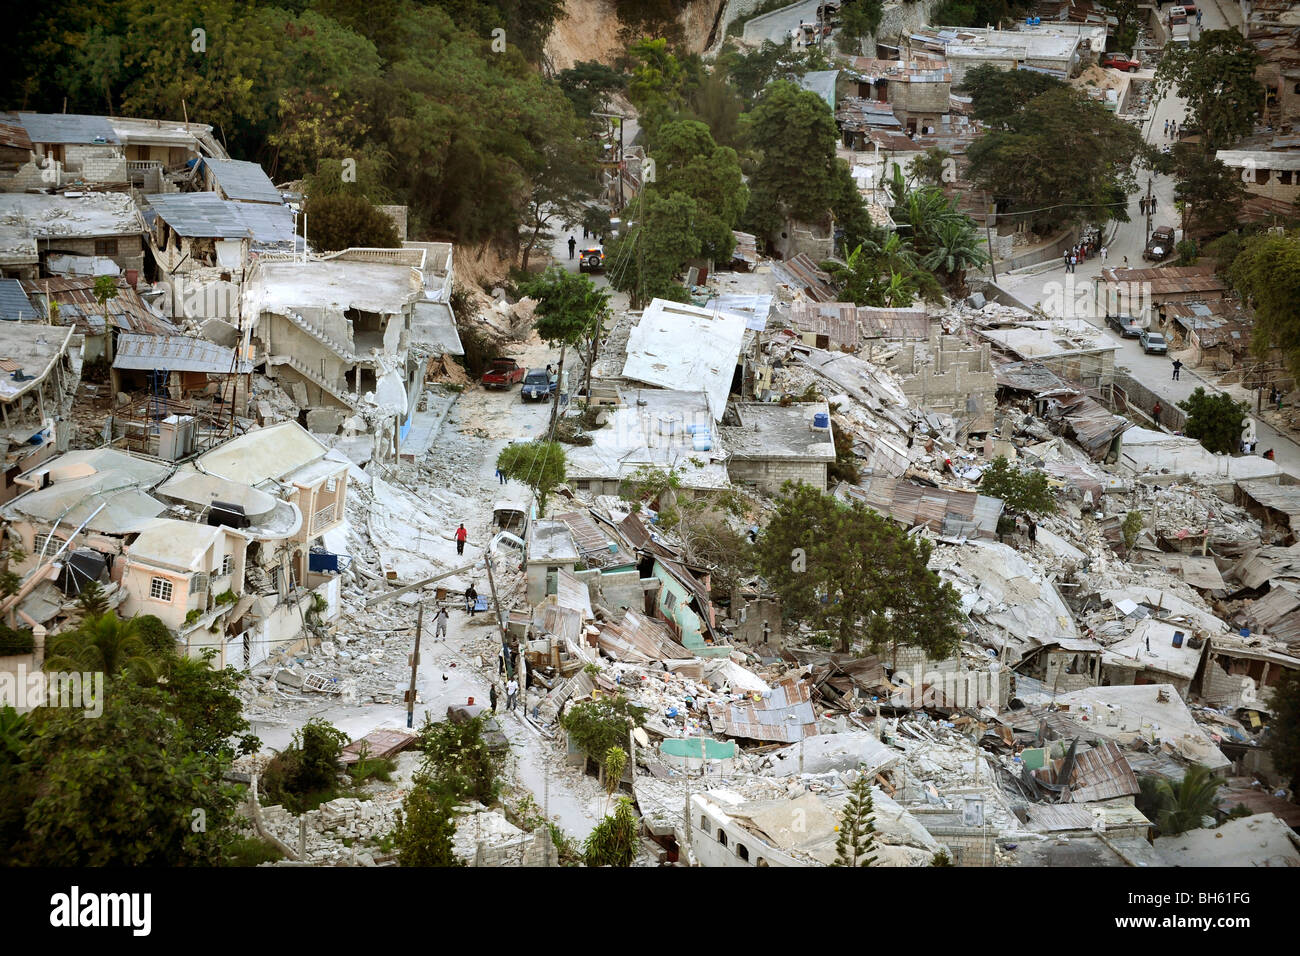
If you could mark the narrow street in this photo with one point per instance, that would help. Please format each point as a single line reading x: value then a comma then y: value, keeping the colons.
x: 1042, y: 284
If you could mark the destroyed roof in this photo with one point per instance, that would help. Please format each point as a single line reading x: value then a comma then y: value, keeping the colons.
x: 641, y: 639
x: 947, y: 511
x: 837, y: 321
x: 73, y: 216
x: 597, y: 547
x: 173, y: 544
x: 746, y: 248
x: 1275, y: 497
x: 176, y: 353
x: 434, y: 327
x: 802, y: 273
x: 551, y: 542
x: 657, y: 428
x: 909, y: 323
x: 1165, y: 456
x: 81, y: 481
x: 1258, y: 840
x: 687, y: 348
x: 1275, y: 614
x: 266, y: 453
x: 207, y: 215
x: 29, y: 349
x: 283, y: 286
x: 79, y: 306
x: 634, y: 529
x: 270, y: 517
x: 12, y: 133
x: 14, y: 304
x: 755, y: 308
x: 69, y: 129
x: 1171, y: 280
x: 785, y: 715
x: 243, y: 181
x: 1253, y: 159
x: 1030, y: 341
x: 821, y: 82
x: 1149, y: 647
x: 770, y: 432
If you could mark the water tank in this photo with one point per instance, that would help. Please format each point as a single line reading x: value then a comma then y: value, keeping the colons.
x: 821, y: 420
x: 702, y: 442
x: 1178, y: 638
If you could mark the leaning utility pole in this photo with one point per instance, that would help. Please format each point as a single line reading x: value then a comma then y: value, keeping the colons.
x: 1150, y: 180
x: 415, y: 664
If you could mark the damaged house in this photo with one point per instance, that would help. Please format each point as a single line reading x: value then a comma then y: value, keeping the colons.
x: 335, y: 333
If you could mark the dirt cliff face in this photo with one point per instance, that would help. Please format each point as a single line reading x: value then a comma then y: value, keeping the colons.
x: 590, y: 31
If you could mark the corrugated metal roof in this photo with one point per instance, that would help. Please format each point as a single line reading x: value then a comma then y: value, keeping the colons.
x: 78, y: 306
x: 1174, y: 280
x: 803, y: 273
x: 207, y: 215
x: 1101, y: 774
x: 746, y: 247
x: 14, y: 304
x: 12, y: 133
x: 838, y: 321
x: 785, y: 715
x: 69, y: 128
x: 244, y: 181
x: 175, y: 353
x: 944, y: 510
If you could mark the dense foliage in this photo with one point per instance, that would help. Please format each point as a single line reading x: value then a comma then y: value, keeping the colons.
x: 1216, y: 76
x: 1022, y: 490
x: 848, y: 571
x: 1216, y: 419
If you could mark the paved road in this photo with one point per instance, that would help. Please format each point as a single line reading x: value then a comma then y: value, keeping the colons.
x: 778, y: 25
x: 1059, y: 294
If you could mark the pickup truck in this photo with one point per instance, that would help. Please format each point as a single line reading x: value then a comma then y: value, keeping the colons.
x: 503, y: 373
x: 537, y: 385
x: 1161, y: 244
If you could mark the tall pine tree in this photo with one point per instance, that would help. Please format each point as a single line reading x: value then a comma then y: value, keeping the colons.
x: 857, y: 843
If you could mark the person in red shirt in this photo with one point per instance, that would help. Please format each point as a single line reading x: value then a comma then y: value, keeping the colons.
x: 461, y: 535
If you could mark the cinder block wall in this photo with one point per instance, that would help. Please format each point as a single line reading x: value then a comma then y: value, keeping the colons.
x: 769, y: 476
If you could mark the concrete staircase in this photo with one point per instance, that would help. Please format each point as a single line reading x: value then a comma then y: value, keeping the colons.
x: 330, y: 343
x: 313, y: 377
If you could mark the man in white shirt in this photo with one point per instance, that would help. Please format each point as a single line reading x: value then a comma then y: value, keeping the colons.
x: 512, y: 694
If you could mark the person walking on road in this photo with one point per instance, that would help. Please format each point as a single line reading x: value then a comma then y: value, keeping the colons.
x: 1178, y: 365
x: 471, y: 600
x: 461, y: 535
x: 1155, y: 413
x: 492, y: 697
x: 573, y: 244
x: 512, y: 694
x: 501, y: 476
x: 440, y: 620
x: 1166, y: 129
x: 1103, y: 253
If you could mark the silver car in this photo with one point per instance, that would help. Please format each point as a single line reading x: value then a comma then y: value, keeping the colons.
x: 1153, y: 343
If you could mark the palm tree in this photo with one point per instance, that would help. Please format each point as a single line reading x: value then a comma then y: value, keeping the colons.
x: 104, y: 644
x: 957, y: 248
x: 1178, y: 807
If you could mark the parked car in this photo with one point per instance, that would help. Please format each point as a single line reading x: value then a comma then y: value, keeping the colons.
x: 493, y: 735
x: 1118, y: 61
x: 1127, y: 326
x: 537, y: 385
x: 503, y: 373
x: 591, y: 259
x: 1161, y: 244
x: 1153, y: 343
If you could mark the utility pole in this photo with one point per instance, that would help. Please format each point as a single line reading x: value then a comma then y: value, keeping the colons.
x: 988, y: 235
x: 415, y: 664
x: 1150, y: 181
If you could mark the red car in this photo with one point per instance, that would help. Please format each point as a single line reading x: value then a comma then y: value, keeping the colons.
x: 503, y: 373
x: 1118, y: 61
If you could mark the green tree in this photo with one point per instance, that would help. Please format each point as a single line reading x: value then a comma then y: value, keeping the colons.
x: 91, y: 599
x: 660, y: 83
x: 648, y: 259
x: 934, y: 167
x: 1216, y: 76
x: 690, y: 163
x: 599, y: 724
x: 105, y: 290
x: 343, y: 221
x: 1022, y: 490
x: 125, y: 788
x: 1131, y: 528
x: 1283, y: 740
x: 1124, y: 36
x: 997, y: 94
x: 308, y: 769
x: 856, y: 843
x: 1215, y: 419
x: 613, y: 842
x: 561, y: 192
x: 458, y: 761
x: 589, y: 85
x: 426, y: 826
x: 849, y: 571
x: 1176, y: 807
x: 538, y: 464
x: 941, y: 858
x: 104, y: 644
x: 750, y: 71
x: 204, y: 701
x: 1020, y: 164
x: 1212, y: 192
x: 858, y: 20
x: 1266, y: 274
x: 795, y: 177
x: 570, y: 310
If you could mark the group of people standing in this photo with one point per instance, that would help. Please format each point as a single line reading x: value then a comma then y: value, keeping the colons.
x: 1171, y: 129
x: 1147, y: 204
x: 1083, y: 250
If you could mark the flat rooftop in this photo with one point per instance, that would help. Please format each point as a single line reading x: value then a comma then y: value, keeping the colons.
x: 29, y: 349
x: 333, y: 285
x: 262, y: 454
x: 173, y: 544
x: 69, y: 216
x: 551, y: 541
x: 769, y: 432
